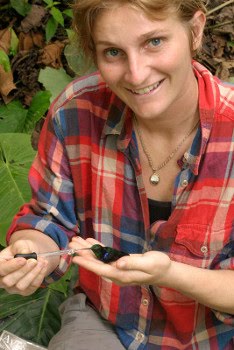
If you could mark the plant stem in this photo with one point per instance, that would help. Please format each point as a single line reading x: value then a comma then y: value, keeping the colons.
x: 229, y: 2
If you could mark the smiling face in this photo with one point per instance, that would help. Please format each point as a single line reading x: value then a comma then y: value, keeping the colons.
x: 146, y: 62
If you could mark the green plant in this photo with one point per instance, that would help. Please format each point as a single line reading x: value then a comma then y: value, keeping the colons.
x: 55, y: 19
x: 5, y: 61
x: 21, y: 6
x: 36, y: 317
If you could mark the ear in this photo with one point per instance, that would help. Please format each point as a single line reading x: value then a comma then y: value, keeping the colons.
x: 197, y: 27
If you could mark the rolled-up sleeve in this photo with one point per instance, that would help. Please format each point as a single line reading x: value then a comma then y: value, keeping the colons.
x: 51, y: 209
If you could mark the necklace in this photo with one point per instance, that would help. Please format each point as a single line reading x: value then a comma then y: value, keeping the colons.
x: 155, y: 178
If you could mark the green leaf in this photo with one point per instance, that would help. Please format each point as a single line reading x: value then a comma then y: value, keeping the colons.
x: 14, y: 42
x: 4, y: 61
x: 16, y: 155
x: 35, y: 318
x: 54, y: 80
x: 21, y: 6
x: 12, y: 117
x: 70, y: 35
x: 67, y: 282
x: 39, y: 106
x: 49, y: 2
x: 76, y: 59
x: 68, y: 13
x: 51, y: 27
x: 57, y: 15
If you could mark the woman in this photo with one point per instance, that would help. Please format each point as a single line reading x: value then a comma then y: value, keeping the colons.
x: 139, y: 157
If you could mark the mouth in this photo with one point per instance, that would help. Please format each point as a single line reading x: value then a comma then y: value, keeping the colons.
x: 147, y: 90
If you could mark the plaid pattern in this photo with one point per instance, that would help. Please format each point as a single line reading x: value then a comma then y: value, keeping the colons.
x: 87, y: 180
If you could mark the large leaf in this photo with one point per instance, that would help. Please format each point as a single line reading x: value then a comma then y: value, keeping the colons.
x: 16, y: 155
x: 12, y: 117
x: 36, y: 318
x: 15, y: 118
x: 39, y: 106
x: 76, y: 58
x: 54, y: 80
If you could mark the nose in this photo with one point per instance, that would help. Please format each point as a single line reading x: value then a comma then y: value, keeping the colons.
x: 136, y: 69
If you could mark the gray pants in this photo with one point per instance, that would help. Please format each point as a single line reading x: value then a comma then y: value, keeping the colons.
x: 83, y: 329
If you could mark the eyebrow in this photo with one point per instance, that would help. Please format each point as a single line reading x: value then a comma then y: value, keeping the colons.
x: 145, y: 36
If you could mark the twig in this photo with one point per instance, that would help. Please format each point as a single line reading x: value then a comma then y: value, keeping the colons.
x: 218, y: 25
x: 229, y: 2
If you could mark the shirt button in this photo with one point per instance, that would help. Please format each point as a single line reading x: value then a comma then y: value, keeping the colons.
x: 140, y: 337
x: 145, y: 302
x: 204, y: 249
x: 184, y: 183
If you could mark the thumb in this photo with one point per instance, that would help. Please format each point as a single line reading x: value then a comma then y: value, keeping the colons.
x: 22, y: 246
x: 130, y: 262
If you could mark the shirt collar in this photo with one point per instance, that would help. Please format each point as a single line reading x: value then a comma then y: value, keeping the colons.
x: 118, y: 121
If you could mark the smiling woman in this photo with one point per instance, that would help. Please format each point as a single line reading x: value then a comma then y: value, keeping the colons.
x: 138, y: 157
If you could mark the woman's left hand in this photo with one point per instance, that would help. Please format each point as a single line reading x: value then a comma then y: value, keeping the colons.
x: 136, y: 269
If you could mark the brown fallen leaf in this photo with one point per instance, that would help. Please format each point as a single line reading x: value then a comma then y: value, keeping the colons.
x: 51, y: 54
x: 28, y: 41
x: 33, y: 19
x: 5, y: 40
x: 218, y: 46
x: 225, y: 70
x: 6, y: 82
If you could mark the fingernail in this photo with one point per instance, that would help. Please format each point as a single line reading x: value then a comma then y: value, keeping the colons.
x: 20, y: 261
x: 32, y: 262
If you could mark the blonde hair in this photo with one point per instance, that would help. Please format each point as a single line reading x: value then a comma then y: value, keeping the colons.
x: 86, y: 12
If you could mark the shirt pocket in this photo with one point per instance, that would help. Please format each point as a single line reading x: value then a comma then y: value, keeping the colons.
x: 197, y: 245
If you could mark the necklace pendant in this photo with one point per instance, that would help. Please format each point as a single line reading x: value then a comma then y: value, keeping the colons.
x: 154, y: 179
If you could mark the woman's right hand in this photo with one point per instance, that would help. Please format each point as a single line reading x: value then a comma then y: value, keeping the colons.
x: 18, y: 275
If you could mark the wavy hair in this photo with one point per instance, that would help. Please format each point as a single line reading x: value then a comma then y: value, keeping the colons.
x: 86, y: 12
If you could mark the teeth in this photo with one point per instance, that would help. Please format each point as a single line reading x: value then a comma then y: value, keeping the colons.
x: 145, y: 90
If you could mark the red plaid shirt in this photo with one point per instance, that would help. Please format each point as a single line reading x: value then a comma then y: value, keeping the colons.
x: 87, y: 180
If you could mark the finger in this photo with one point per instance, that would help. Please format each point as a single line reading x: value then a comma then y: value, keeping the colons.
x: 79, y: 243
x: 131, y: 262
x: 147, y: 262
x: 33, y: 279
x: 93, y: 241
x: 98, y: 267
x: 9, y: 266
x: 13, y: 278
x: 110, y: 272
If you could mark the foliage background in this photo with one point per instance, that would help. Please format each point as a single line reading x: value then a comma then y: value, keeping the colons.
x: 38, y: 57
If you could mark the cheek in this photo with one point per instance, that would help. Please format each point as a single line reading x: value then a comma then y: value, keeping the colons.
x: 177, y: 63
x: 110, y: 75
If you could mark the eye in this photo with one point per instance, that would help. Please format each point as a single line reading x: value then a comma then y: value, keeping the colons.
x: 112, y: 52
x: 155, y: 42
